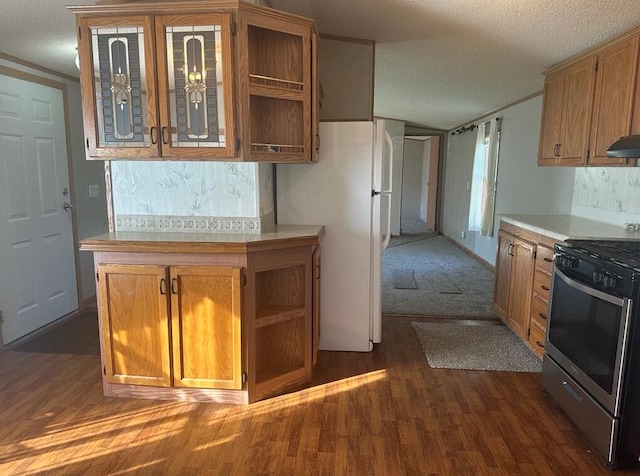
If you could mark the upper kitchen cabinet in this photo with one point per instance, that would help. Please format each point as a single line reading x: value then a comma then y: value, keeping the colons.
x: 225, y: 81
x: 566, y: 115
x: 589, y: 104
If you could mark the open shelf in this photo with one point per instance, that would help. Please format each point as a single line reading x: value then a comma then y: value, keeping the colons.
x: 279, y: 292
x: 273, y: 315
x: 275, y: 58
x: 277, y: 125
x: 280, y: 349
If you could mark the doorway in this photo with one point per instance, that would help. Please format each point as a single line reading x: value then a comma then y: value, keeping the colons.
x: 38, y: 274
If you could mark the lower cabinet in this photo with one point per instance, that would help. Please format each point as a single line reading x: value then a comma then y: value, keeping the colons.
x: 514, y: 277
x: 171, y: 326
x: 230, y: 327
x: 524, y: 264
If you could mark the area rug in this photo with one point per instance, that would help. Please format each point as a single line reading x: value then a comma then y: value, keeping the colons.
x: 433, y: 277
x: 471, y: 347
x: 76, y: 334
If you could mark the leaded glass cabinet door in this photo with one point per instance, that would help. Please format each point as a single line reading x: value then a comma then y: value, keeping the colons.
x: 119, y: 92
x: 195, y: 83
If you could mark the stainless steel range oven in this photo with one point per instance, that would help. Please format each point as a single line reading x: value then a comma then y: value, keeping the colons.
x: 591, y: 366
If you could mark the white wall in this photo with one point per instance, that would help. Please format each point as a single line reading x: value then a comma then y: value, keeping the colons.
x: 424, y: 189
x: 523, y: 187
x: 396, y: 131
x: 91, y: 214
x: 412, y: 179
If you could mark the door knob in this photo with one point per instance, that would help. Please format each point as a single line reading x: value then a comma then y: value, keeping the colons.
x: 68, y: 206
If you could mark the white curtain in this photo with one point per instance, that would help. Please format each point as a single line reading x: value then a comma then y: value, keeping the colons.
x: 483, y: 180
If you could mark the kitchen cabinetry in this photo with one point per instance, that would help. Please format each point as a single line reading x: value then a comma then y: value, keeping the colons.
x: 612, y: 106
x: 227, y: 81
x: 540, y: 298
x: 588, y: 105
x: 512, y: 295
x: 523, y: 269
x: 202, y: 317
x: 226, y: 321
x: 566, y: 115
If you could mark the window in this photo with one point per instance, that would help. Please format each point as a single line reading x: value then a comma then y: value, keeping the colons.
x: 483, y: 179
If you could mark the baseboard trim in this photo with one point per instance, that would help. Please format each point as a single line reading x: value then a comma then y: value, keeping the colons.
x: 480, y: 260
x: 91, y: 301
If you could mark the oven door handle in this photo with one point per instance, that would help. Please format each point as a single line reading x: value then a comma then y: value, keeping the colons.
x: 591, y: 291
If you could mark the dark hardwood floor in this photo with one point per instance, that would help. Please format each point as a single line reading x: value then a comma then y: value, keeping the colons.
x: 384, y: 412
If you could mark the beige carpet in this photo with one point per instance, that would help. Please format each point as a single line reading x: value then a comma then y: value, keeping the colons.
x: 433, y: 277
x: 470, y: 347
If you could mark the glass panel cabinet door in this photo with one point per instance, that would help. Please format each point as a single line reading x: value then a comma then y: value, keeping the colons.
x: 119, y: 110
x: 195, y: 85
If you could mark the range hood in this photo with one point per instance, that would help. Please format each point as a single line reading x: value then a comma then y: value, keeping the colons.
x: 625, y: 147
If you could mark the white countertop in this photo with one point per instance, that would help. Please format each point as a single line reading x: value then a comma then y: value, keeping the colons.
x: 568, y: 227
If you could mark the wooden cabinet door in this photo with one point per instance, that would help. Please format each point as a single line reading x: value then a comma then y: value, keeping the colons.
x: 503, y: 275
x: 195, y: 85
x: 117, y: 73
x: 615, y: 85
x: 551, y: 126
x: 520, y: 284
x: 315, y: 315
x: 134, y: 324
x: 206, y: 327
x: 315, y: 95
x: 576, y: 111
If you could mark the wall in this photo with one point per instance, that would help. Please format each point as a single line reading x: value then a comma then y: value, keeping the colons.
x: 396, y: 131
x: 192, y: 196
x: 346, y: 76
x: 607, y: 194
x: 424, y: 189
x: 412, y: 179
x: 91, y: 214
x: 523, y: 187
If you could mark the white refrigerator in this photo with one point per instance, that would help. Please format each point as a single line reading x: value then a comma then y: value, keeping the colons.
x: 349, y: 192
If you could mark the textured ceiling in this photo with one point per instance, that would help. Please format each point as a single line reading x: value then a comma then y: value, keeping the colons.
x: 439, y: 63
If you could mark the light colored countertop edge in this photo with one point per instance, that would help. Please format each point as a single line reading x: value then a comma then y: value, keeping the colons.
x: 569, y: 227
x: 216, y: 242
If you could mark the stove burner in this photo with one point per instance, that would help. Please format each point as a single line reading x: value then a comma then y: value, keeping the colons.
x: 622, y: 253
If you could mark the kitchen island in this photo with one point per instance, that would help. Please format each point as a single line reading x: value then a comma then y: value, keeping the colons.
x: 224, y: 317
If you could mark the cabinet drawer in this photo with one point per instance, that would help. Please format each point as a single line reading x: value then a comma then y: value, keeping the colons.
x: 542, y: 285
x: 536, y: 340
x: 539, y: 312
x: 544, y: 258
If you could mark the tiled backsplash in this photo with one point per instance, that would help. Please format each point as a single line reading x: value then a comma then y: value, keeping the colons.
x: 609, y: 194
x: 192, y: 196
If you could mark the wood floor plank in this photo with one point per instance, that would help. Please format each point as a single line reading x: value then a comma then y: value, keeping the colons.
x: 380, y: 413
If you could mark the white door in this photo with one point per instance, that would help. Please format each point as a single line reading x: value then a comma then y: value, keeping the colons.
x: 37, y: 261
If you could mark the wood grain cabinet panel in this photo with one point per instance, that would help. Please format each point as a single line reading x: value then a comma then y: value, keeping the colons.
x: 503, y: 275
x: 206, y: 327
x: 612, y: 109
x: 520, y: 286
x: 551, y: 128
x: 134, y: 317
x: 576, y: 112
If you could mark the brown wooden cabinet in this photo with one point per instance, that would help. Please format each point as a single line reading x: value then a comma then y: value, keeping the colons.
x: 226, y: 81
x: 523, y: 270
x: 612, y: 107
x: 589, y: 104
x: 206, y: 326
x: 566, y: 116
x: 225, y: 321
x: 202, y: 317
x: 512, y: 295
x: 134, y: 319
